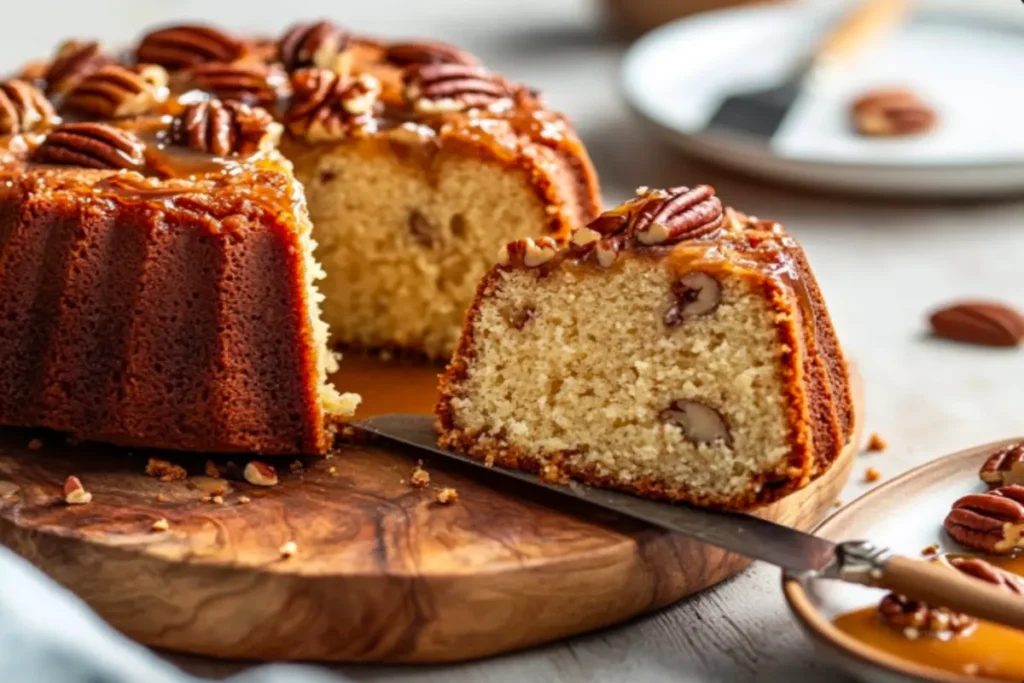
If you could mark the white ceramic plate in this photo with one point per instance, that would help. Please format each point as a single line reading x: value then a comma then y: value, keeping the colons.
x: 967, y: 65
x: 905, y: 515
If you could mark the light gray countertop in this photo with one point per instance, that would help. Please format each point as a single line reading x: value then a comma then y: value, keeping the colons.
x: 882, y: 266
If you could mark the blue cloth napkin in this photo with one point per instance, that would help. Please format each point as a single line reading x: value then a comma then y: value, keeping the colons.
x: 47, y: 635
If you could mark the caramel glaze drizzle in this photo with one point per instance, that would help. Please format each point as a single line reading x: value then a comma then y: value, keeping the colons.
x: 989, y: 650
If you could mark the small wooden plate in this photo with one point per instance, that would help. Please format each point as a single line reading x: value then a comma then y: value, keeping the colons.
x: 905, y: 515
x: 382, y: 571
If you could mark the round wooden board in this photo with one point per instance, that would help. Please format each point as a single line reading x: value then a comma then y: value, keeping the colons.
x: 382, y: 571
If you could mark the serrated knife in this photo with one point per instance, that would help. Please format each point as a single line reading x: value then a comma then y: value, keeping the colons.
x: 854, y: 561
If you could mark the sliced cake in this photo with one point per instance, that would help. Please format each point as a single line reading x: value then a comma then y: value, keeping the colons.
x: 674, y: 349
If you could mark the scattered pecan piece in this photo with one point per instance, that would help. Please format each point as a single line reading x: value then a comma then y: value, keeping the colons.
x: 91, y: 145
x: 453, y: 87
x: 1005, y: 467
x: 876, y: 443
x: 699, y: 423
x: 447, y: 495
x: 987, y: 323
x: 697, y: 294
x: 225, y: 128
x: 871, y: 475
x: 114, y: 91
x: 160, y: 525
x: 164, y: 470
x: 420, y: 477
x: 917, y: 619
x: 23, y: 108
x: 248, y: 82
x: 318, y: 45
x: 326, y: 106
x: 75, y: 493
x: 427, y: 52
x: 528, y: 252
x: 211, y: 470
x: 891, y: 112
x: 991, y: 522
x: 74, y: 61
x: 260, y: 473
x: 180, y: 47
x: 679, y: 214
x: 986, y: 571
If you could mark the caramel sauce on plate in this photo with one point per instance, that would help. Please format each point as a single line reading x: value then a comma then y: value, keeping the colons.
x: 988, y: 651
x: 398, y: 385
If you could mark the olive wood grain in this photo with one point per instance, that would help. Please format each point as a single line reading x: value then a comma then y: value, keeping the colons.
x: 382, y: 571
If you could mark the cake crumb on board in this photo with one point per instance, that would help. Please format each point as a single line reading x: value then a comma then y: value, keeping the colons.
x: 420, y: 477
x: 447, y: 495
x: 872, y: 475
x: 933, y: 549
x: 160, y: 525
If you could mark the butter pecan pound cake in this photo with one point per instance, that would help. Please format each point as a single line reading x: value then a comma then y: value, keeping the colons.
x: 674, y: 349
x: 158, y: 263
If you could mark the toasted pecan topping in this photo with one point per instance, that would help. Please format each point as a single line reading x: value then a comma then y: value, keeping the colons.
x: 23, y: 108
x: 224, y: 128
x: 991, y: 522
x: 249, y: 82
x: 326, y: 106
x: 917, y: 619
x: 528, y: 252
x: 180, y: 47
x: 1005, y: 467
x: 92, y: 145
x: 74, y: 61
x: 312, y: 45
x: 427, y: 52
x: 114, y: 91
x: 453, y: 87
x: 681, y: 214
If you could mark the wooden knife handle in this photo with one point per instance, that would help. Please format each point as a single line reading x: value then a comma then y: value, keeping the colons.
x: 939, y: 585
x: 870, y: 20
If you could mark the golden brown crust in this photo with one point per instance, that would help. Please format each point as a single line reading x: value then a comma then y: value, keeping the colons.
x: 819, y: 405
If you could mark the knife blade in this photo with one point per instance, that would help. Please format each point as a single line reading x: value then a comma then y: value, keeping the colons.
x: 744, y: 534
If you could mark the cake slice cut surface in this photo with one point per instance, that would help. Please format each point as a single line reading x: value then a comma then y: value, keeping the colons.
x: 674, y: 349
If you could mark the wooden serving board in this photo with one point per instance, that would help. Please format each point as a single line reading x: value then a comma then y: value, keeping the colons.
x: 382, y: 571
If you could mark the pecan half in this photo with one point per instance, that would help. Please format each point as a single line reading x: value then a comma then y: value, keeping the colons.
x: 249, y: 82
x: 74, y: 61
x: 986, y: 571
x: 916, y: 619
x: 891, y: 112
x: 700, y: 423
x: 991, y: 522
x: 92, y: 145
x: 326, y: 106
x: 427, y: 52
x: 180, y: 47
x: 1005, y: 467
x: 696, y: 294
x: 320, y: 45
x: 114, y: 91
x: 987, y: 323
x: 678, y: 214
x: 225, y: 128
x: 23, y: 108
x: 453, y: 87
